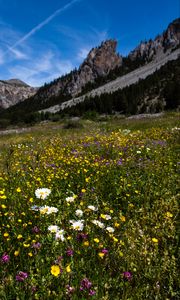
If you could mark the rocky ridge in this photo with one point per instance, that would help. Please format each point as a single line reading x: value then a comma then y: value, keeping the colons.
x: 13, y: 91
x: 169, y: 39
x: 121, y: 82
x: 99, y: 62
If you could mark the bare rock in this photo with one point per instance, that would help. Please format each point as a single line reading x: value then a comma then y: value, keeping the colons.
x: 13, y: 91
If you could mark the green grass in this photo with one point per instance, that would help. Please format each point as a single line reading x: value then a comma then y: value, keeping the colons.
x: 127, y: 247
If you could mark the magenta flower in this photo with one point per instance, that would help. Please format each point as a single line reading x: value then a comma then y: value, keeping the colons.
x: 127, y: 276
x: 85, y: 284
x: 82, y: 236
x: 69, y: 252
x: 21, y: 276
x: 92, y: 292
x: 105, y: 251
x: 5, y: 258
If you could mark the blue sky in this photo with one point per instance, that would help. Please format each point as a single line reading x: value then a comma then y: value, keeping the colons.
x: 42, y: 39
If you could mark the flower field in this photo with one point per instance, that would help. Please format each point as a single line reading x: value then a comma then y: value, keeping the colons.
x: 90, y: 214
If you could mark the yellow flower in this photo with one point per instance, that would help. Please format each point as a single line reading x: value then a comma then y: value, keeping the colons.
x: 16, y: 253
x: 83, y: 190
x: 30, y: 254
x: 96, y: 240
x: 26, y: 245
x: 19, y: 236
x: 68, y: 269
x: 123, y: 219
x: 169, y: 215
x: 115, y: 239
x: 116, y: 224
x: 55, y: 270
x: 155, y: 240
x: 101, y: 255
x: 18, y: 190
x: 6, y: 234
x: 3, y: 206
x: 86, y: 243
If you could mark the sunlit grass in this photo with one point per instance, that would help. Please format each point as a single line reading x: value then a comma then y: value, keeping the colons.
x: 91, y: 211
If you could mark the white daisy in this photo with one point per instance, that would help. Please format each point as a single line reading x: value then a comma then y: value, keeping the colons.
x: 42, y: 193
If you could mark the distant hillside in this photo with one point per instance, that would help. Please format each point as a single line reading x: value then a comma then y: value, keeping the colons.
x: 14, y: 91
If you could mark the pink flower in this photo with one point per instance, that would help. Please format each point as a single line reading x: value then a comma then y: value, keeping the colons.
x: 5, y: 258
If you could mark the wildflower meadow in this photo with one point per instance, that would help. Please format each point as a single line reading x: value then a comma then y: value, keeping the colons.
x: 90, y: 213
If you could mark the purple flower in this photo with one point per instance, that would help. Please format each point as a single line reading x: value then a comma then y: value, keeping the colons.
x: 58, y: 260
x: 85, y: 284
x: 33, y: 289
x: 35, y: 229
x: 105, y: 251
x: 119, y: 162
x: 81, y: 236
x: 127, y: 276
x: 21, y: 276
x: 69, y: 252
x: 5, y: 258
x: 92, y: 292
x: 36, y: 245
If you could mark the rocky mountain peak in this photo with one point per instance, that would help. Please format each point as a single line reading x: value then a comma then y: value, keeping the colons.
x: 169, y: 39
x: 103, y: 58
x: 99, y: 62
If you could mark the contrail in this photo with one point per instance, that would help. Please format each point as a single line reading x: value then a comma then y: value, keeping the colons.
x: 42, y: 24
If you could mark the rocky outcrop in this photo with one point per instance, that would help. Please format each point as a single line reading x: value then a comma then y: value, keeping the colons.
x: 148, y: 50
x: 99, y: 62
x: 121, y: 82
x: 13, y: 91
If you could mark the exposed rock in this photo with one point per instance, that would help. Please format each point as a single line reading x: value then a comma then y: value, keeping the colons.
x: 154, y: 48
x: 99, y: 62
x: 13, y: 91
x: 121, y: 82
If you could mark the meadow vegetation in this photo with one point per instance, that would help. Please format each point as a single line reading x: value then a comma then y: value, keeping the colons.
x: 90, y: 211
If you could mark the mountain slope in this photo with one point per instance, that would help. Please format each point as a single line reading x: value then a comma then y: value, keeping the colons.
x: 121, y: 82
x: 13, y: 91
x: 158, y: 91
x: 103, y: 72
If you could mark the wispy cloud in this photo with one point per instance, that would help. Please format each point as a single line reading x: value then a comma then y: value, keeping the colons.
x: 43, y: 23
x: 18, y: 54
x: 1, y: 57
x: 40, y: 70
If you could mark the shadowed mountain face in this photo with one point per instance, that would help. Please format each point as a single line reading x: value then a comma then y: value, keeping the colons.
x: 101, y: 66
